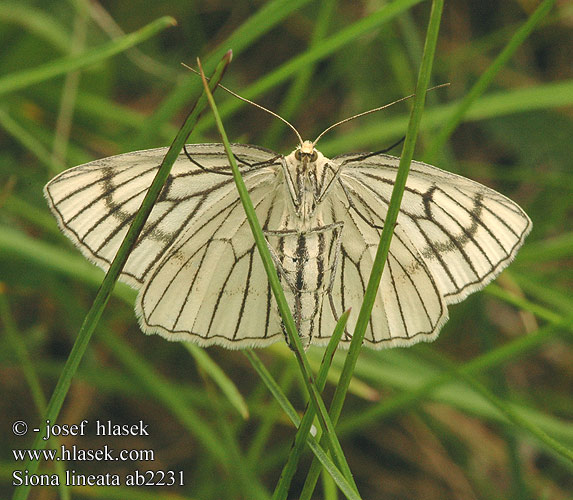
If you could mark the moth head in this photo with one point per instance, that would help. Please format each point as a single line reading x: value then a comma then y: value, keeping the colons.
x: 306, y: 152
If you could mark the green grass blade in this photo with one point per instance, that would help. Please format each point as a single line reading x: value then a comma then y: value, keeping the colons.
x: 218, y: 376
x: 37, y: 22
x: 195, y: 424
x: 516, y: 418
x: 413, y: 396
x: 289, y: 469
x: 537, y: 309
x: 501, y: 103
x: 280, y: 298
x: 18, y: 346
x: 52, y: 69
x: 325, y: 48
x: 487, y: 77
x: 559, y: 300
x: 393, y: 210
x: 298, y: 90
x: 389, y: 223
x: 70, y: 89
x: 557, y: 247
x: 164, y: 392
x: 287, y: 407
x: 270, y: 14
x: 273, y: 387
x: 112, y: 275
x: 29, y: 142
x: 15, y: 243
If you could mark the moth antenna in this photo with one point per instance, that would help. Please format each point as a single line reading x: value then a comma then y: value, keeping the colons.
x: 372, y: 111
x: 254, y: 104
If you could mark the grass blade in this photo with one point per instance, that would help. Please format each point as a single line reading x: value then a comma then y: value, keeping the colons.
x: 297, y: 92
x: 285, y: 404
x: 487, y: 77
x: 112, y: 275
x: 280, y: 298
x: 270, y: 14
x: 325, y: 48
x: 18, y: 346
x: 491, y: 105
x: 414, y: 395
x: 227, y: 386
x: 196, y: 424
x: 515, y: 418
x: 52, y: 69
x: 385, y: 239
x: 282, y: 488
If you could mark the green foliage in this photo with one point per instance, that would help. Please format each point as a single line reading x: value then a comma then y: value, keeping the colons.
x: 476, y: 414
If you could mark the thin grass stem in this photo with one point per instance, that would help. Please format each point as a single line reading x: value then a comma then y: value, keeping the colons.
x: 289, y: 469
x: 25, y: 78
x: 387, y: 232
x: 286, y: 315
x: 111, y: 277
x: 487, y: 77
x: 287, y: 407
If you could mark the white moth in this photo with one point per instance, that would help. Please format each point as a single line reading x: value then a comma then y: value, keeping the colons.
x: 199, y: 275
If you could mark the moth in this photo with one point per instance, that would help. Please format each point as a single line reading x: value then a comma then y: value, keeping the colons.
x: 197, y: 271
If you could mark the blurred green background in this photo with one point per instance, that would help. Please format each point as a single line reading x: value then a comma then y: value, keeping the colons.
x: 73, y: 88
